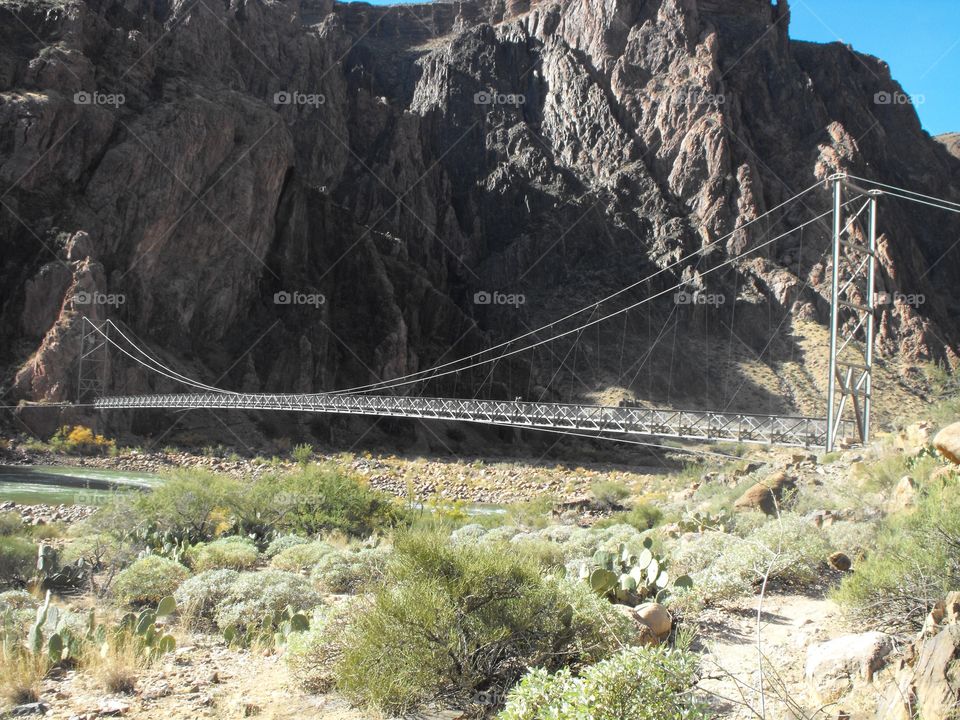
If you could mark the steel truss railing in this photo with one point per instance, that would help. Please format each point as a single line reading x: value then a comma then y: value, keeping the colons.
x: 601, y: 419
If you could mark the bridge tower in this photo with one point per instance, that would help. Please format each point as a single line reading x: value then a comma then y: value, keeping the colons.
x: 853, y: 304
x: 93, y: 362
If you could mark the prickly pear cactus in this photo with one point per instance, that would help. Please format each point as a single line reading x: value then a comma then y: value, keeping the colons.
x: 630, y: 576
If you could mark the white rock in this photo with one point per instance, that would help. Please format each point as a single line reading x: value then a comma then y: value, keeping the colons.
x: 832, y: 666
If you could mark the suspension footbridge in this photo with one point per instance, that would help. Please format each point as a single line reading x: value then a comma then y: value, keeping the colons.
x: 849, y: 394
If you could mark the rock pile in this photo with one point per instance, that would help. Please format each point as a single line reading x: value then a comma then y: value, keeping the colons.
x: 46, y: 514
x: 927, y: 684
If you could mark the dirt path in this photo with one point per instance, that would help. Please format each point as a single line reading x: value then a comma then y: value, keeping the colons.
x: 788, y: 625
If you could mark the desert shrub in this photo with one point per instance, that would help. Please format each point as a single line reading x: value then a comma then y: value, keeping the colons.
x: 609, y: 538
x: 80, y: 440
x: 534, y: 513
x: 347, y: 571
x: 21, y: 675
x: 641, y: 516
x: 452, y: 619
x: 17, y: 600
x: 911, y: 564
x: 254, y: 594
x: 302, y: 454
x: 198, y: 596
x: 282, y: 542
x: 312, y: 655
x: 149, y: 580
x: 609, y: 495
x: 747, y: 521
x: 649, y: 683
x: 300, y: 557
x: 10, y: 524
x: 18, y: 560
x: 99, y: 550
x: 856, y: 539
x: 468, y: 533
x: 546, y: 553
x: 501, y: 534
x: 320, y: 499
x: 234, y: 552
x: 189, y: 505
x: 724, y: 566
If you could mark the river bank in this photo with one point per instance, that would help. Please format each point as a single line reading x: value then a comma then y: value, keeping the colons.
x: 420, y: 479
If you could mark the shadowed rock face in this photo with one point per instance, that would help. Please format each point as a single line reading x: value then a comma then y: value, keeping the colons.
x: 390, y: 163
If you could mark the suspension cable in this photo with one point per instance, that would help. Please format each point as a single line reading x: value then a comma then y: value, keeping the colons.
x: 686, y: 258
x: 402, y: 382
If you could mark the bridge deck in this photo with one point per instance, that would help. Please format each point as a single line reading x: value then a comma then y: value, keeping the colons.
x: 607, y: 420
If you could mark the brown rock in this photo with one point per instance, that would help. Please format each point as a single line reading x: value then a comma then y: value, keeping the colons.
x: 840, y: 561
x: 904, y: 495
x: 947, y: 442
x: 931, y: 687
x: 656, y: 617
x: 766, y: 494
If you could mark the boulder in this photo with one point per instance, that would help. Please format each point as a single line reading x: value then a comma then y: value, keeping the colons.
x: 833, y: 666
x: 840, y: 561
x: 645, y: 634
x: 928, y: 682
x: 656, y: 617
x: 766, y: 494
x: 947, y: 442
x: 904, y: 495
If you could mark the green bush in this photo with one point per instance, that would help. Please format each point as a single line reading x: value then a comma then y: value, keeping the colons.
x: 347, y: 571
x: 18, y: 560
x: 10, y: 524
x: 322, y: 498
x: 724, y: 566
x: 17, y: 600
x: 199, y: 596
x: 149, y: 580
x: 642, y: 517
x: 912, y: 563
x: 450, y: 620
x: 312, y: 655
x: 233, y: 552
x: 281, y: 543
x: 254, y: 594
x: 300, y: 557
x: 100, y: 551
x: 634, y: 684
x: 189, y: 504
x: 609, y: 495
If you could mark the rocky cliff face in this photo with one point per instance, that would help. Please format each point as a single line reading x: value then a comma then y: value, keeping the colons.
x: 202, y: 162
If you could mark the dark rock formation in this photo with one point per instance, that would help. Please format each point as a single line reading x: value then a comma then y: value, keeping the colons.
x: 385, y: 164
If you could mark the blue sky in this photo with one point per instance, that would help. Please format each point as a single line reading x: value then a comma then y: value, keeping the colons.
x: 920, y: 40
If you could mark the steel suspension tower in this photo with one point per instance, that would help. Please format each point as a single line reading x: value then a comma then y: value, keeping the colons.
x: 853, y: 304
x: 93, y: 362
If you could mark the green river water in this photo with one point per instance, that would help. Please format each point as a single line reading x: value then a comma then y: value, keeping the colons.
x: 55, y: 485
